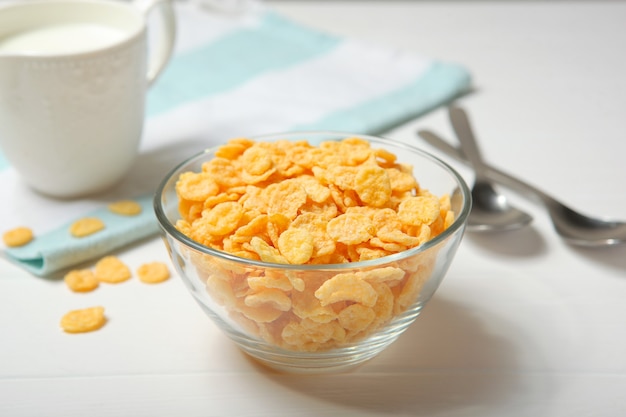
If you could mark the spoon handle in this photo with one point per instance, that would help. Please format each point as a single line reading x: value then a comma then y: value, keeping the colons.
x: 462, y: 128
x: 491, y: 172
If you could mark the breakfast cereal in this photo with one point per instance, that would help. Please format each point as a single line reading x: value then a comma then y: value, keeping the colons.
x: 18, y: 236
x: 153, y: 272
x: 84, y: 320
x: 111, y: 270
x: 86, y: 226
x: 81, y: 280
x: 125, y: 207
x: 293, y: 203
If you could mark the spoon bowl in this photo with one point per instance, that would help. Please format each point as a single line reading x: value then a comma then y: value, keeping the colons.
x: 491, y: 211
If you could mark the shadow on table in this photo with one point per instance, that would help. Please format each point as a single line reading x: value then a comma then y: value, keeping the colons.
x: 523, y: 243
x: 613, y: 256
x: 447, y: 360
x: 529, y: 242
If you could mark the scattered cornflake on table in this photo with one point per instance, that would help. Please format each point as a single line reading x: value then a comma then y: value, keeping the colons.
x: 81, y: 280
x: 125, y: 207
x: 86, y: 226
x: 84, y: 320
x: 18, y: 236
x: 153, y: 272
x: 111, y: 270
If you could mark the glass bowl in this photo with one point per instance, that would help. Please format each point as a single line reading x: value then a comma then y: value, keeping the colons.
x: 368, y: 304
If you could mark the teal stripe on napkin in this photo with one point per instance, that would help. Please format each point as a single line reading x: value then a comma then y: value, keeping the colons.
x: 276, y: 43
x: 441, y: 83
x: 58, y: 249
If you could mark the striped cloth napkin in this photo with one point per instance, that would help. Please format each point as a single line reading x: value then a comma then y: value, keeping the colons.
x: 243, y: 74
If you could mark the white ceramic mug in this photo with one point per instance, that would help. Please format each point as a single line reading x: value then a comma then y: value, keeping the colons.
x: 73, y: 81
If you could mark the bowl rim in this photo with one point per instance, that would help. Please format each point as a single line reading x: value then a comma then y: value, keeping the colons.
x: 459, y: 222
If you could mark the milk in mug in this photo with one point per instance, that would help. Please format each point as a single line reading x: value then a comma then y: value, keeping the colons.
x: 62, y: 38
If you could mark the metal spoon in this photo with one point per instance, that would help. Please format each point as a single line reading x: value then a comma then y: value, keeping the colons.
x: 574, y: 227
x: 490, y: 209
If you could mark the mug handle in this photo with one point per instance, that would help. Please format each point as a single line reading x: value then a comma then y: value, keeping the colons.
x: 163, y: 52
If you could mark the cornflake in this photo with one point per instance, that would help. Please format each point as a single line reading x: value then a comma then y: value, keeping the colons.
x: 153, y: 272
x: 86, y: 226
x: 81, y: 280
x: 111, y: 270
x: 293, y: 203
x: 125, y: 208
x: 18, y: 236
x: 84, y: 320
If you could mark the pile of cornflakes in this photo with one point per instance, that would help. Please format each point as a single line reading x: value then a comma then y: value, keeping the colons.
x: 293, y: 203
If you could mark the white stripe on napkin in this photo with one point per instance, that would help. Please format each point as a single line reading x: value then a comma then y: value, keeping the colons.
x: 350, y: 74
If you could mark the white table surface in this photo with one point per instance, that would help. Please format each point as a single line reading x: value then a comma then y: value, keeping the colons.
x: 523, y: 325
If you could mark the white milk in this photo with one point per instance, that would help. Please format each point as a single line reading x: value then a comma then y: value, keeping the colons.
x: 76, y: 37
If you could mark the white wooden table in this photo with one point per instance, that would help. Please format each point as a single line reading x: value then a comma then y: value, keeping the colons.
x: 523, y: 325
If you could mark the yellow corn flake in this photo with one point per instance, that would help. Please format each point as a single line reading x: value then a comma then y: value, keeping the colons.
x: 269, y: 281
x: 356, y: 317
x: 84, y: 320
x: 389, y: 247
x: 86, y: 226
x: 388, y: 274
x: 307, y: 306
x: 372, y: 185
x: 401, y: 181
x: 368, y: 254
x: 111, y: 270
x: 315, y: 225
x: 419, y: 210
x: 448, y: 219
x: 234, y: 148
x: 221, y: 291
x: 308, y: 335
x: 386, y: 156
x: 327, y: 209
x: 256, y: 227
x: 317, y: 192
x: 272, y: 297
x: 350, y: 228
x: 412, y: 287
x: 276, y: 225
x: 286, y: 198
x: 213, y: 201
x: 260, y: 314
x: 153, y: 272
x: 190, y: 210
x: 297, y: 282
x: 18, y: 236
x: 398, y: 236
x: 125, y: 207
x: 223, y: 218
x: 257, y: 160
x: 296, y: 245
x: 266, y: 252
x: 346, y: 287
x: 196, y: 186
x: 224, y: 172
x: 383, y: 309
x: 81, y: 280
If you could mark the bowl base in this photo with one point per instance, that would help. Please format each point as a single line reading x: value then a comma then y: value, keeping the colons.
x: 340, y: 361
